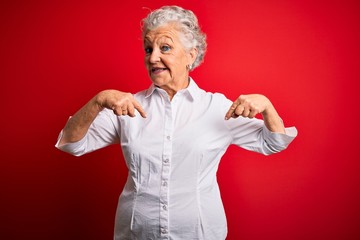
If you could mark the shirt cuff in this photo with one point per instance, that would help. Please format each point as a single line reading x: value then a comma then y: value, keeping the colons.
x: 72, y: 148
x: 279, y: 141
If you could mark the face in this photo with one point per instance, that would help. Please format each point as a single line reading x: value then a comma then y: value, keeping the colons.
x: 166, y: 58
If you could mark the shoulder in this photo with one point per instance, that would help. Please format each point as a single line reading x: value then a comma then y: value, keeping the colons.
x: 196, y: 90
x: 143, y: 94
x: 215, y: 97
x: 214, y: 102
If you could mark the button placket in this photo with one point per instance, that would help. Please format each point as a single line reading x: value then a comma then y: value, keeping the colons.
x: 165, y: 172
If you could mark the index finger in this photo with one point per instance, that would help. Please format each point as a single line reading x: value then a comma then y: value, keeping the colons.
x: 139, y: 108
x: 231, y: 110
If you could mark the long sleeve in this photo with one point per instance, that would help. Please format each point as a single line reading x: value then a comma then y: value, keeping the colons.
x: 103, y: 131
x: 252, y: 134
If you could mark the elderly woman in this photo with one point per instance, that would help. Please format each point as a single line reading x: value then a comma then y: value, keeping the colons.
x: 173, y: 149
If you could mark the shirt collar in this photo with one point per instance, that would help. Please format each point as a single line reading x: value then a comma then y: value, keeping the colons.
x: 192, y: 90
x: 150, y: 91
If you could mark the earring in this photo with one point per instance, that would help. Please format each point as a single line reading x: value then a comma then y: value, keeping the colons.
x: 188, y: 67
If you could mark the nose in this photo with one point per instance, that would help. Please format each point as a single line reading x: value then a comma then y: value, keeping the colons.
x: 155, y: 56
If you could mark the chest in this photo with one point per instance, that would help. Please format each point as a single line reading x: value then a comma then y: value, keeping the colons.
x: 183, y: 124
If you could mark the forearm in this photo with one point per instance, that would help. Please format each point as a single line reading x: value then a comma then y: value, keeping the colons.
x: 272, y: 120
x: 121, y: 103
x: 77, y: 126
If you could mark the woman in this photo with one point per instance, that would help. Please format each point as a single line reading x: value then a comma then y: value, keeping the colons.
x: 173, y: 149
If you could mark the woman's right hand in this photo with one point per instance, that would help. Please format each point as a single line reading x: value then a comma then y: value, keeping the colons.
x: 121, y: 103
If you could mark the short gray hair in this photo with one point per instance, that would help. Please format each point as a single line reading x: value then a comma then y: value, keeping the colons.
x: 189, y: 27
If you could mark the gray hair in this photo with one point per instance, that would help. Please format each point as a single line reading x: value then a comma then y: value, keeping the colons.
x: 193, y: 37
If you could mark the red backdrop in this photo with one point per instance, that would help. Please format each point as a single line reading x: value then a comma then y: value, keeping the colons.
x: 304, y: 55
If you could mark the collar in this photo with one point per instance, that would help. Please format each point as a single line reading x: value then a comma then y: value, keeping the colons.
x: 192, y: 90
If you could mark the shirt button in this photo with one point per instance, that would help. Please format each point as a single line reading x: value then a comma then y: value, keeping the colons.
x: 164, y: 207
x: 163, y: 230
x: 166, y: 160
x: 168, y: 137
x: 164, y: 183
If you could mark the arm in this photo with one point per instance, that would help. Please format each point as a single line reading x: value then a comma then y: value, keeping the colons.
x: 121, y: 103
x: 265, y: 136
x: 253, y: 104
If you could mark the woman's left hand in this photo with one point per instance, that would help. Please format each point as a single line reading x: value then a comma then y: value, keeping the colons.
x: 248, y: 106
x: 251, y: 105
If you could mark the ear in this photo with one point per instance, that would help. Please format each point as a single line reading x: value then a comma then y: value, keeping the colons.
x: 192, y: 56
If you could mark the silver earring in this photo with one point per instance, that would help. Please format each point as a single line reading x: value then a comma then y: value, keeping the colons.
x: 188, y: 67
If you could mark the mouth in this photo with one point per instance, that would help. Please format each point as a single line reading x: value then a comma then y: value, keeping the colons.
x: 157, y: 70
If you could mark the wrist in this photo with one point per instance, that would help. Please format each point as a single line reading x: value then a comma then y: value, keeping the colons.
x: 97, y: 102
x: 269, y: 111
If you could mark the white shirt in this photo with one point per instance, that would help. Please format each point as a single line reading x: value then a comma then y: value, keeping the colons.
x: 173, y: 156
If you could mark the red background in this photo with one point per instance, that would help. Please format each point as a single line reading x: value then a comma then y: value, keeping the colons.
x: 303, y: 55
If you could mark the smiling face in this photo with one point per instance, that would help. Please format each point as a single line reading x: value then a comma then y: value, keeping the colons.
x: 166, y: 58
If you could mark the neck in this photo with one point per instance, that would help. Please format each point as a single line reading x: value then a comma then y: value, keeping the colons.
x: 173, y: 89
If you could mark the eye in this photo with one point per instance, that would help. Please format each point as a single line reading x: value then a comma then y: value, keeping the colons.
x: 148, y: 50
x: 165, y: 48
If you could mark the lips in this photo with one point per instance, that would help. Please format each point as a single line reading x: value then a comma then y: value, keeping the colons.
x: 157, y: 70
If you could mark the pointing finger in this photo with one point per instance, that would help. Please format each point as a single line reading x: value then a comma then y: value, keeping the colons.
x: 139, y: 108
x: 231, y: 110
x: 229, y: 113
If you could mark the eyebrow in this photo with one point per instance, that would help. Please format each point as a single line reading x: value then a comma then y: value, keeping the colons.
x: 148, y: 39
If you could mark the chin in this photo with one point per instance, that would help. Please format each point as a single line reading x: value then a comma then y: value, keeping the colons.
x: 159, y: 81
